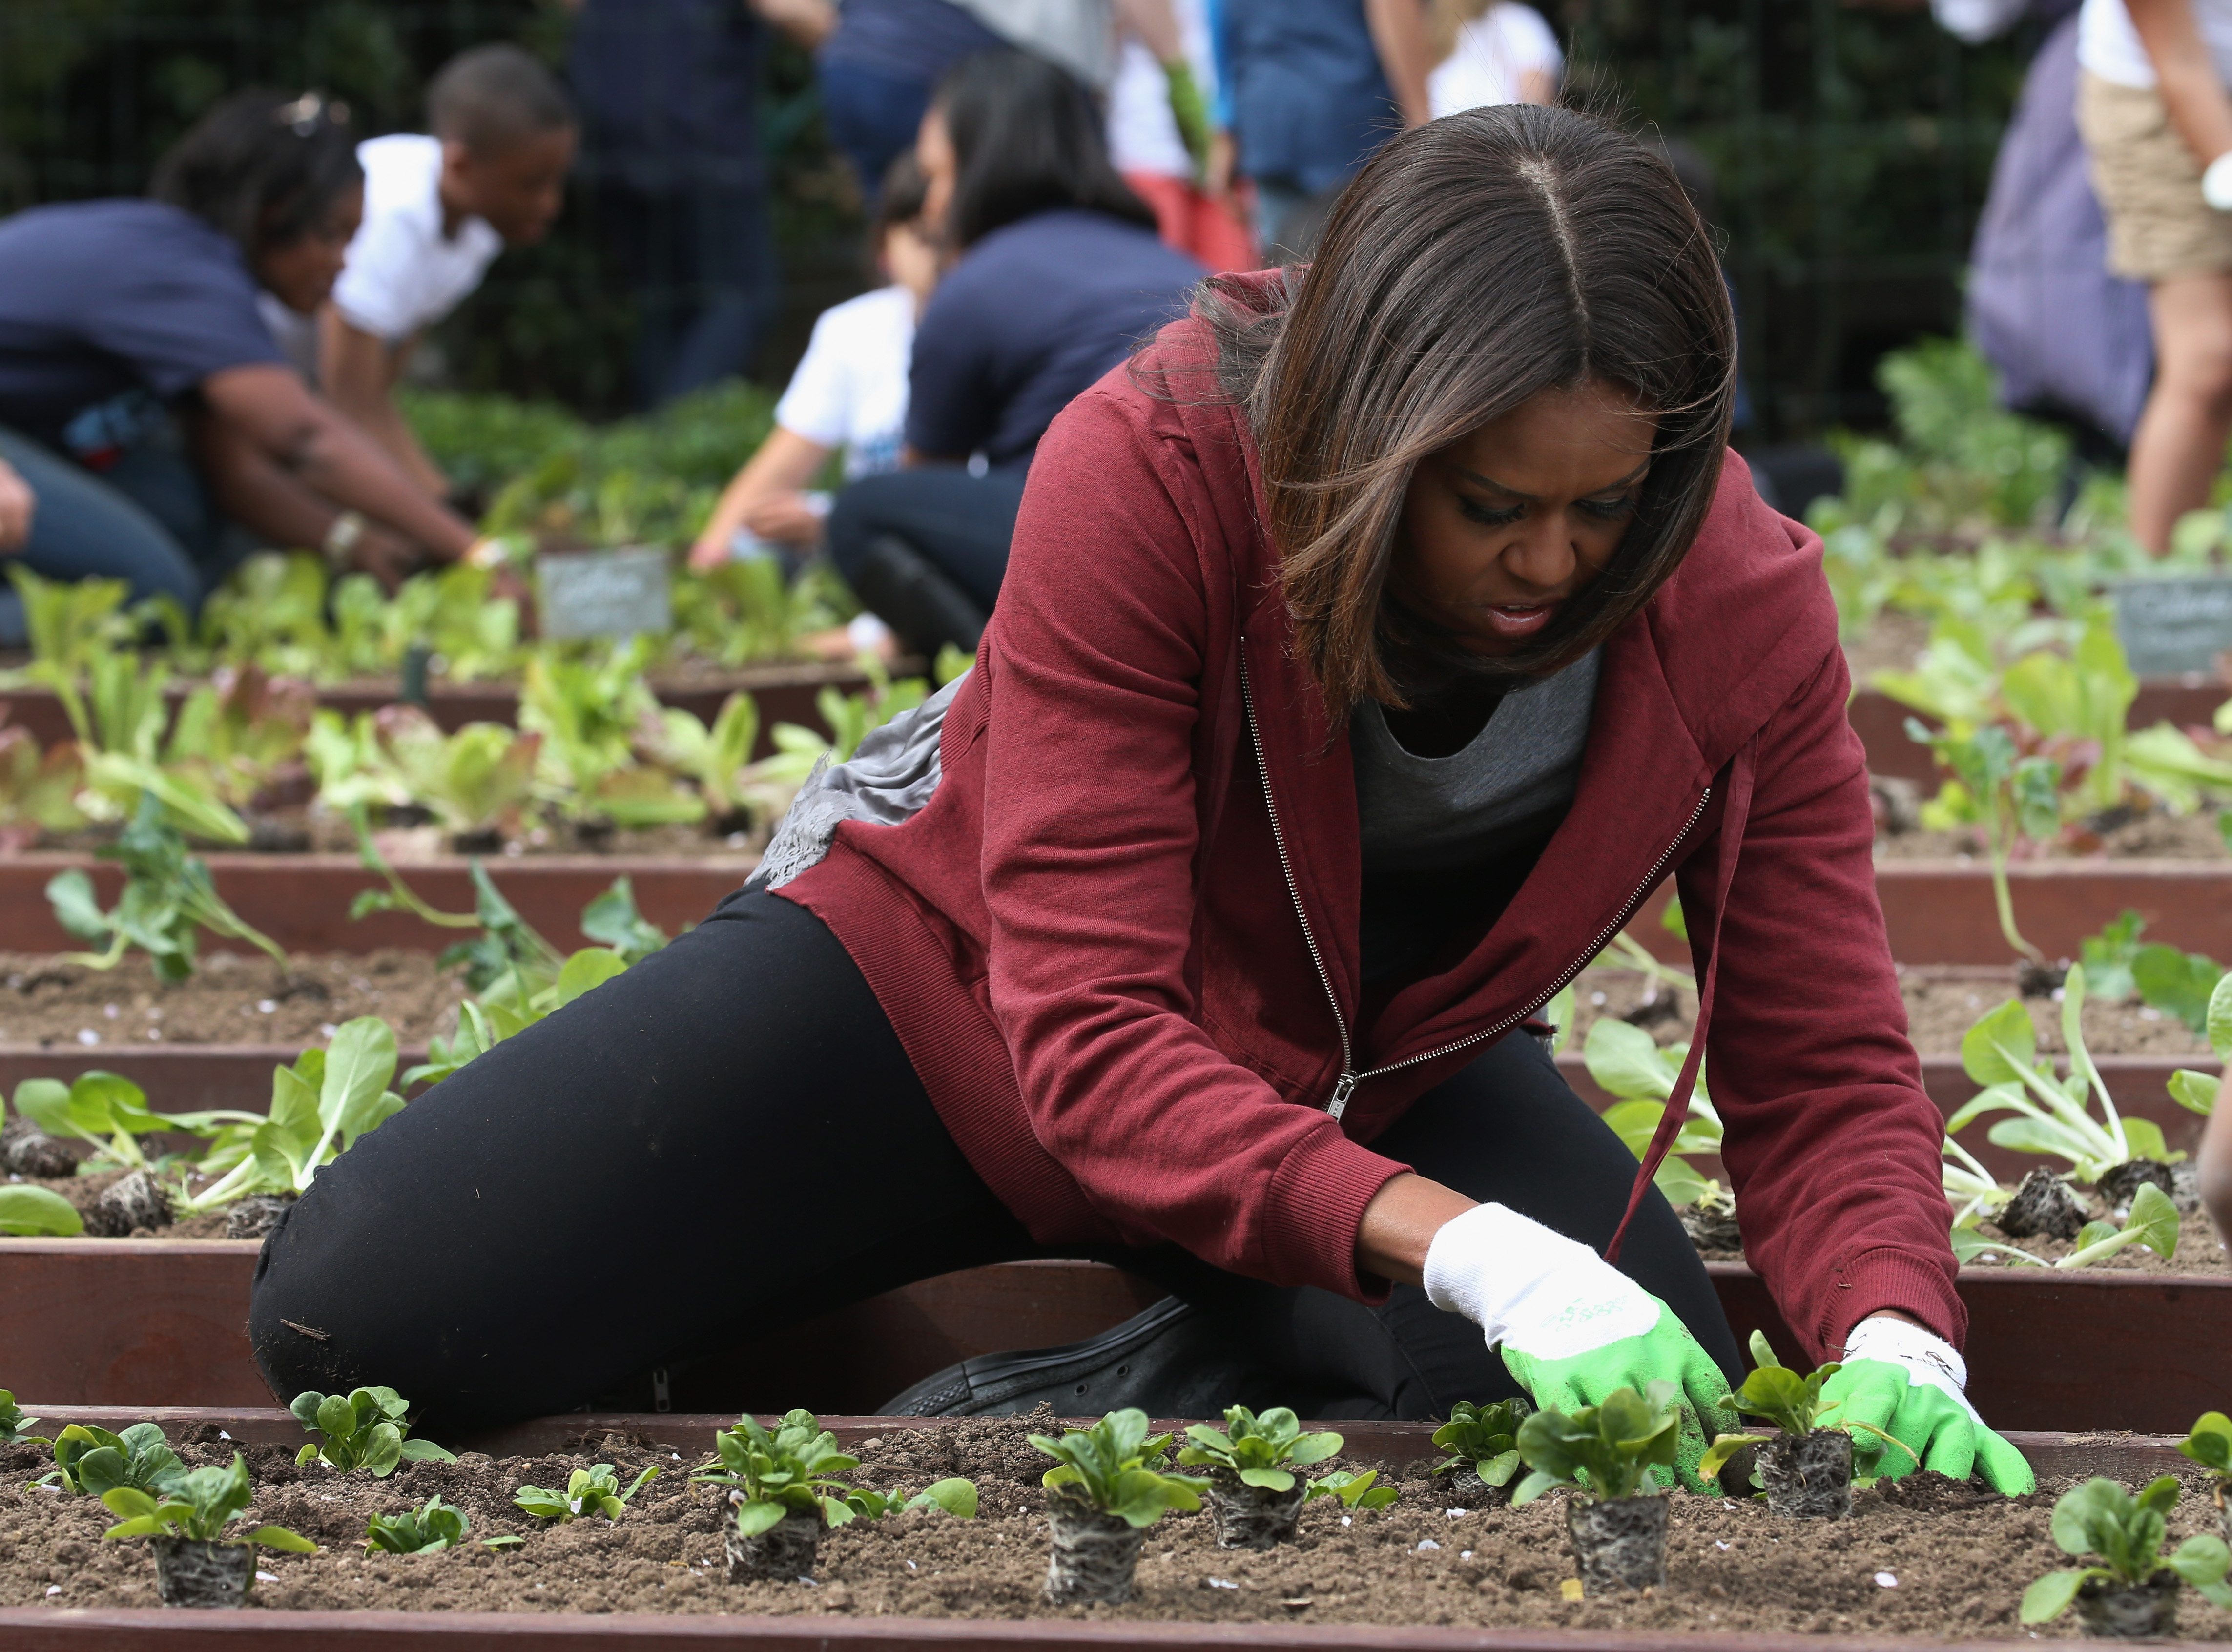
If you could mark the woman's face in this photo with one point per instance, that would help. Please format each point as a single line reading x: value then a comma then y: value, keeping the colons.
x: 1503, y: 526
x: 302, y: 272
x: 933, y: 154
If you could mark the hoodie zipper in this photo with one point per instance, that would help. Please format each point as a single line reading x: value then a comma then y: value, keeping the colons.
x: 1350, y: 1077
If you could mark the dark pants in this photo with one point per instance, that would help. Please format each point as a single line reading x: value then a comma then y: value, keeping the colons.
x: 958, y: 524
x: 701, y: 265
x: 148, y: 519
x: 872, y: 118
x: 729, y: 1138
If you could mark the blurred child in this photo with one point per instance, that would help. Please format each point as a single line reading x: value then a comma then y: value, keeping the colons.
x: 1158, y: 135
x: 438, y: 209
x: 1487, y: 52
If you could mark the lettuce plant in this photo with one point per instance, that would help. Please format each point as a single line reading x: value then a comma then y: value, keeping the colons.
x: 612, y: 920
x: 168, y: 898
x: 1482, y: 1439
x: 239, y: 732
x: 790, y: 1469
x: 32, y: 1212
x: 2209, y: 1444
x: 1353, y: 1491
x: 197, y: 1506
x: 1606, y: 1450
x: 714, y: 757
x: 91, y: 1461
x: 476, y: 782
x: 593, y: 1490
x: 111, y: 1112
x: 433, y: 1527
x: 1253, y: 1448
x: 1790, y: 1401
x: 366, y: 1428
x: 2153, y: 1223
x: 15, y: 1427
x: 956, y: 1496
x: 592, y: 713
x: 1626, y: 1062
x: 38, y: 789
x: 320, y: 1106
x: 2197, y: 1091
x: 2008, y: 795
x: 2101, y: 1519
x: 1106, y: 1468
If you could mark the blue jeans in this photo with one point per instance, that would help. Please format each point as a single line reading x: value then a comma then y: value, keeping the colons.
x: 148, y: 519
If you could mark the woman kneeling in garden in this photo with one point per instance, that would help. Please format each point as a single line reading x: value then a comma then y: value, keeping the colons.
x: 1372, y: 645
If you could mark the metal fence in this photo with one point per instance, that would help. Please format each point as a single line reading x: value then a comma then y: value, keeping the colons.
x: 1848, y: 150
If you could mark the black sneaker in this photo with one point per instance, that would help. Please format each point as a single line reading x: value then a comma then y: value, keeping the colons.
x: 1167, y: 1362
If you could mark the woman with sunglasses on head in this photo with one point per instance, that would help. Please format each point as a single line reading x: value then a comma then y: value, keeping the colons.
x: 1373, y: 644
x: 143, y: 400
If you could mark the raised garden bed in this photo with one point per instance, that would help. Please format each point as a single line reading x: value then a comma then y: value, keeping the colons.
x: 162, y: 1322
x: 1880, y: 722
x: 1416, y: 1574
x: 783, y: 693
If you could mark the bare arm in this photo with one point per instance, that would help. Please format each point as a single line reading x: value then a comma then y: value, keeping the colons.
x: 18, y: 505
x: 360, y: 373
x: 1398, y: 34
x: 763, y: 497
x: 2199, y: 106
x: 1156, y: 24
x: 806, y: 22
x: 256, y: 491
x: 1535, y: 87
x: 301, y: 433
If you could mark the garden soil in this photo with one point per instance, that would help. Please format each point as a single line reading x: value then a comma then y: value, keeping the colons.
x: 1925, y: 1557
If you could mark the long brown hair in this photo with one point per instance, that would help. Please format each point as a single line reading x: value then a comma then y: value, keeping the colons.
x: 1476, y: 262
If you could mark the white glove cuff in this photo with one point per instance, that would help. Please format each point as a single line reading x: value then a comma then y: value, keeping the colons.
x: 1505, y: 1272
x: 2216, y: 183
x: 1927, y: 1358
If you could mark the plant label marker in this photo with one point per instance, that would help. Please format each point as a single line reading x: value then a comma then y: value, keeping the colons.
x: 2169, y: 627
x: 604, y: 593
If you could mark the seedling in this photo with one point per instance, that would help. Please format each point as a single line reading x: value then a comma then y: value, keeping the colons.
x: 38, y: 790
x: 475, y: 782
x: 366, y: 1428
x: 28, y: 1213
x: 790, y: 1470
x: 2052, y: 1116
x: 1606, y: 1452
x: 2136, y: 1585
x: 15, y: 1426
x: 956, y: 1496
x: 433, y: 1525
x: 110, y: 1113
x: 612, y: 920
x: 91, y: 1461
x: 714, y: 757
x: 1804, y: 1480
x: 1483, y: 1440
x: 2197, y: 1091
x: 1256, y: 1501
x: 1625, y: 1061
x: 2209, y: 1444
x: 168, y: 897
x: 2008, y: 795
x: 2153, y: 1223
x: 1103, y: 1497
x: 593, y: 1490
x: 319, y: 1107
x: 195, y: 1563
x: 1353, y: 1491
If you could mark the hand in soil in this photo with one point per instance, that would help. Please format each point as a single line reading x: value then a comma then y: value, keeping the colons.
x: 1901, y: 1380
x: 1806, y: 1471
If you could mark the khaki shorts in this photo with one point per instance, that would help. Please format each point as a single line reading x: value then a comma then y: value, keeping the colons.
x: 2148, y: 186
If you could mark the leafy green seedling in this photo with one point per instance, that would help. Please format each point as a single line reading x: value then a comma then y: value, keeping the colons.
x: 1789, y: 1400
x: 2197, y: 1091
x: 1484, y: 1438
x: 956, y: 1496
x: 2177, y: 983
x: 168, y: 898
x: 1105, y: 1467
x: 1354, y: 1491
x: 1252, y: 1447
x: 2209, y: 1444
x: 91, y: 1461
x: 2009, y: 795
x: 2154, y: 1223
x: 791, y: 1469
x: 2052, y: 1116
x: 715, y: 757
x: 1626, y: 1062
x: 1606, y: 1450
x: 197, y: 1506
x: 110, y: 1112
x: 612, y: 920
x: 593, y: 1490
x: 319, y: 1107
x: 508, y: 1540
x: 28, y: 1212
x: 475, y: 782
x: 15, y: 1426
x: 2101, y: 1518
x: 366, y: 1428
x: 433, y: 1525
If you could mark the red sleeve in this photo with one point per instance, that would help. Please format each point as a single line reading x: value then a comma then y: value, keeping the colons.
x: 1095, y: 663
x: 1831, y: 1140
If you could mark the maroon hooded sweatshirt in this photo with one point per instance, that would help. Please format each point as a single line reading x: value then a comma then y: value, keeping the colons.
x: 1123, y: 955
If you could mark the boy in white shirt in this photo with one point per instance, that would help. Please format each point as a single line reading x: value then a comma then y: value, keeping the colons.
x: 438, y: 209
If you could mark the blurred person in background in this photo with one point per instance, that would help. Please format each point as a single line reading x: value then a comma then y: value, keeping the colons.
x: 1054, y: 272
x: 669, y: 91
x: 2070, y: 341
x: 1307, y: 90
x: 2157, y: 125
x: 1158, y: 137
x: 1490, y: 52
x: 849, y: 394
x: 143, y: 401
x: 438, y: 207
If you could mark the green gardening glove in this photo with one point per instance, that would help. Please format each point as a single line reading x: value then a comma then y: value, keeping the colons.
x: 1190, y: 111
x: 1901, y: 1379
x: 1572, y: 1328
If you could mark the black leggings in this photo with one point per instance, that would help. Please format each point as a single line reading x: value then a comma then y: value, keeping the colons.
x: 652, y: 1173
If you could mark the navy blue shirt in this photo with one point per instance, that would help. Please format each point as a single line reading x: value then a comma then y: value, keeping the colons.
x: 914, y: 41
x: 1307, y: 101
x: 1032, y: 315
x: 98, y: 298
x: 669, y: 91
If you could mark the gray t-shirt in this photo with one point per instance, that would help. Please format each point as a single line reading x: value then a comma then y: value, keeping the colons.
x: 1448, y: 840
